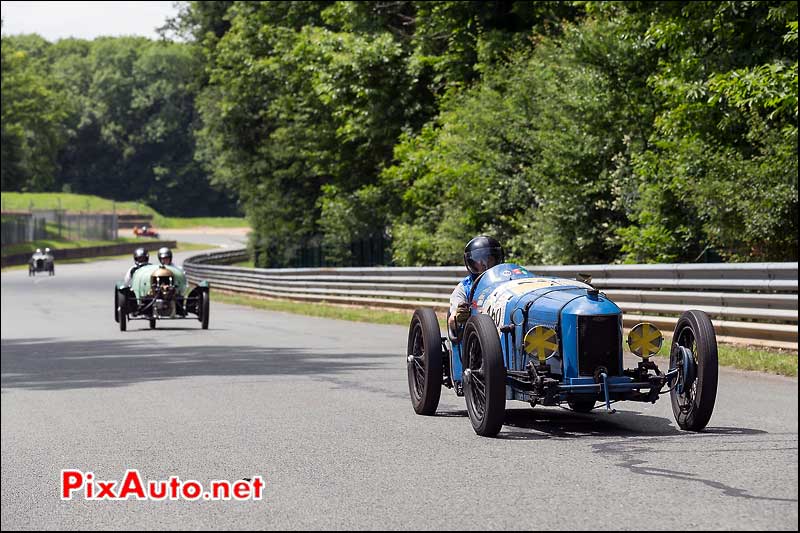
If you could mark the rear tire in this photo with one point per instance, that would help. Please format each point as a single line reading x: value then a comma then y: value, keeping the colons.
x: 123, y: 320
x: 485, y: 385
x: 693, y: 407
x: 424, y: 362
x: 206, y: 307
x: 152, y: 323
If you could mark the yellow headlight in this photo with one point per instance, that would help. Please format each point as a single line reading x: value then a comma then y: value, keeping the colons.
x: 541, y: 342
x: 645, y: 340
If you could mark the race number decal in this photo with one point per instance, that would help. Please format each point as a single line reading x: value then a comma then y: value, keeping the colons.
x: 495, y: 304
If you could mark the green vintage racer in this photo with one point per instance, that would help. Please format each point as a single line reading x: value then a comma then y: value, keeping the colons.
x: 159, y: 292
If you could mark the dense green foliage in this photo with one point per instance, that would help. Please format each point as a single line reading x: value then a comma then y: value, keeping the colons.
x: 576, y: 132
x: 113, y: 117
x: 573, y: 131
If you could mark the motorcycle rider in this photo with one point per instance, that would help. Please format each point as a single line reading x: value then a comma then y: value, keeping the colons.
x: 480, y: 254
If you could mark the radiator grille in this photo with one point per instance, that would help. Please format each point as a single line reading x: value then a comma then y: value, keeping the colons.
x: 599, y: 341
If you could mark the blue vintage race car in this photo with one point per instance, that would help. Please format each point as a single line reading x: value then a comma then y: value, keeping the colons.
x: 554, y: 341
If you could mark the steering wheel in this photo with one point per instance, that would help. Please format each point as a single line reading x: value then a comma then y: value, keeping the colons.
x: 475, y: 286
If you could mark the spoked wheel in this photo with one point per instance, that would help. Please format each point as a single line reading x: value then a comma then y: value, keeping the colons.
x: 484, y: 376
x: 694, y: 352
x: 424, y: 361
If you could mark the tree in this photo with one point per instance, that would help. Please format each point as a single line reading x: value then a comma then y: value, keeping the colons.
x: 32, y: 114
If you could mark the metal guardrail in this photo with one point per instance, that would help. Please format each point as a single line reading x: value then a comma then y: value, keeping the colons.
x: 754, y: 303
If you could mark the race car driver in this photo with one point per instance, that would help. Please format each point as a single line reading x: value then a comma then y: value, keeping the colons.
x: 165, y: 256
x: 480, y: 254
x: 140, y: 259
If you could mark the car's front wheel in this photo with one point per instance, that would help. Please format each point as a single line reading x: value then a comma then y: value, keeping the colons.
x: 484, y: 376
x: 694, y: 353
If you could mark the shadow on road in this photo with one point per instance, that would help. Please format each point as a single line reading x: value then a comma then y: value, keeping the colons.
x: 553, y: 422
x: 53, y: 364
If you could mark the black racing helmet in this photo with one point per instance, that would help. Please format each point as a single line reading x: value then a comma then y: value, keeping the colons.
x: 140, y: 256
x: 164, y: 253
x: 482, y: 253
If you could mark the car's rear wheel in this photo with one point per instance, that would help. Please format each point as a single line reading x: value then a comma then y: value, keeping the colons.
x: 695, y: 392
x: 152, y: 323
x: 484, y: 376
x: 205, y: 307
x: 116, y: 305
x: 123, y: 320
x: 424, y: 361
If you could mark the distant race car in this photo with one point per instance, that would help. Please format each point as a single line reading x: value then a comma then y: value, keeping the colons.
x: 554, y: 341
x: 145, y: 231
x: 159, y: 292
x: 42, y: 262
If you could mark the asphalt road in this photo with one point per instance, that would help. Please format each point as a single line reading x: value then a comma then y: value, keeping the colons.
x: 320, y: 409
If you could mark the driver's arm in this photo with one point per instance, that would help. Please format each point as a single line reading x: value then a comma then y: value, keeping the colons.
x: 128, y: 276
x: 459, y: 307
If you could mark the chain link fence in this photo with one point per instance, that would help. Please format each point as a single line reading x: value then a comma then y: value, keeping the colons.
x: 42, y: 224
x: 22, y: 227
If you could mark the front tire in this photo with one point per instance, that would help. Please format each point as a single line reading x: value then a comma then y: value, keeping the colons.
x: 693, y: 406
x: 424, y: 361
x: 123, y: 320
x: 484, y: 376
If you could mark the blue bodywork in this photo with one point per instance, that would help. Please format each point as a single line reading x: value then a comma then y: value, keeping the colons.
x: 588, y: 326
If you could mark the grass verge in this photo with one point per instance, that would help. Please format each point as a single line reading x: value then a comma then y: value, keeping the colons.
x: 23, y: 201
x: 198, y: 222
x: 353, y: 314
x: 87, y: 203
x: 780, y: 362
x: 750, y: 358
